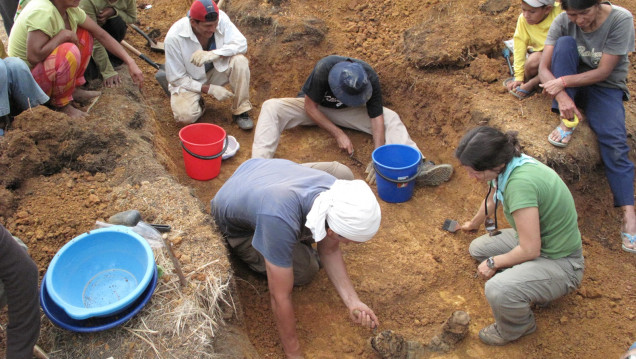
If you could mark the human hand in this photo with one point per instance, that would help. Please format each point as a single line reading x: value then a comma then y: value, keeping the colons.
x: 219, y: 92
x: 136, y: 74
x: 484, y: 271
x: 68, y: 36
x: 567, y: 108
x: 344, y: 142
x: 513, y: 84
x: 553, y: 87
x: 201, y: 57
x: 113, y: 81
x: 104, y: 15
x: 370, y: 171
x: 363, y: 315
x: 468, y: 226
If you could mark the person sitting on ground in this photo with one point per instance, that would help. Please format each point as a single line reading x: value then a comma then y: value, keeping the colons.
x: 18, y: 89
x: 584, y: 66
x: 340, y: 91
x: 532, y: 28
x: 205, y: 51
x: 113, y: 16
x: 55, y: 38
x: 289, y: 206
x: 540, y: 258
x: 19, y: 290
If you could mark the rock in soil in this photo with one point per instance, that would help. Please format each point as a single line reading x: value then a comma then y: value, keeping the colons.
x: 391, y: 345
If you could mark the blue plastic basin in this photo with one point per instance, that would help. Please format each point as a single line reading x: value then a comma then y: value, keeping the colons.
x: 100, y: 273
x: 59, y: 317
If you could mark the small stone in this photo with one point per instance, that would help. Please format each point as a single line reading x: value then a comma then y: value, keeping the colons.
x: 563, y: 319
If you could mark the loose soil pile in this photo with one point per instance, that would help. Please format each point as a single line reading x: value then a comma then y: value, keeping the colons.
x: 441, y: 69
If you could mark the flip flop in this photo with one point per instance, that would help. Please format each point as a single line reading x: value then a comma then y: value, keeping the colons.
x: 517, y: 92
x: 632, y: 241
x: 562, y: 134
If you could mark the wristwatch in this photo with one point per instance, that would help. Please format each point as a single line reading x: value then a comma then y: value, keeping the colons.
x: 490, y: 262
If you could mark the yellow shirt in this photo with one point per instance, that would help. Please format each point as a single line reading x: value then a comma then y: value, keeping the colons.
x: 40, y: 15
x: 531, y: 37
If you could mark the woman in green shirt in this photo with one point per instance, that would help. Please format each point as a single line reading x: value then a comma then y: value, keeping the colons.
x: 540, y: 258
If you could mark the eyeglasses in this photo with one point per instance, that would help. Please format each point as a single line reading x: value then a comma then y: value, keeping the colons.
x: 489, y: 223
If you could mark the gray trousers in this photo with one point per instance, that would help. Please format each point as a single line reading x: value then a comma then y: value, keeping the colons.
x: 305, y: 258
x: 511, y: 291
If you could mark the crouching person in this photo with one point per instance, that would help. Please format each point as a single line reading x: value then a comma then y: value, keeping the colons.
x: 540, y: 258
x: 271, y: 227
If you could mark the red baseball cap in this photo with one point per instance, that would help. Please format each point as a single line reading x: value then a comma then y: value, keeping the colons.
x: 204, y: 10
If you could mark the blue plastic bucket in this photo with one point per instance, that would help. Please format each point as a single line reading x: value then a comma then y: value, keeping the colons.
x: 396, y: 167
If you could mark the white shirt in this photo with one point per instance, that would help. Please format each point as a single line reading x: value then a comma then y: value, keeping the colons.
x: 181, y: 42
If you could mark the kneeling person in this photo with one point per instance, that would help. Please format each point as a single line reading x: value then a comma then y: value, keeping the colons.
x: 265, y: 227
x: 204, y: 51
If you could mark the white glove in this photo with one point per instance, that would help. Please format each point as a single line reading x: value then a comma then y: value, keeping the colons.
x: 220, y: 92
x: 200, y: 57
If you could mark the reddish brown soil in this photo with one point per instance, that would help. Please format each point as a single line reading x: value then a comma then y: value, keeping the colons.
x: 413, y: 274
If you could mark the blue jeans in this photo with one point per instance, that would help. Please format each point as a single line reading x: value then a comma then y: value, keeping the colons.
x: 17, y: 87
x: 603, y: 107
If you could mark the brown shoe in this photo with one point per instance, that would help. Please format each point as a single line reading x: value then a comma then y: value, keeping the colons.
x: 490, y: 335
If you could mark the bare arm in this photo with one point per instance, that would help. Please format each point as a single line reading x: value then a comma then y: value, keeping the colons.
x: 280, y: 282
x: 311, y: 108
x: 40, y: 45
x: 566, y: 104
x: 529, y: 248
x: 377, y: 130
x: 332, y: 261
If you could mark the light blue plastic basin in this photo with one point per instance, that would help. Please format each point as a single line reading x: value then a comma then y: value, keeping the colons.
x: 100, y: 273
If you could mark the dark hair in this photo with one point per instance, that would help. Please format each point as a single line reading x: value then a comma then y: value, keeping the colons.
x: 578, y: 4
x: 484, y: 148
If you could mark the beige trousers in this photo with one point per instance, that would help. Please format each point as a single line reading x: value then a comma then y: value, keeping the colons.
x: 185, y: 104
x: 280, y: 114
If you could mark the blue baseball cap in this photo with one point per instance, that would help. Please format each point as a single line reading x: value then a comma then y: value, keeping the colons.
x: 350, y: 84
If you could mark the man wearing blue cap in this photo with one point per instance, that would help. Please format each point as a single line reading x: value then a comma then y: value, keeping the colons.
x: 340, y: 92
x: 204, y: 51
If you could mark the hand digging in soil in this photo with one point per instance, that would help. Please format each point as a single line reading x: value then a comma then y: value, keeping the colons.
x: 390, y: 345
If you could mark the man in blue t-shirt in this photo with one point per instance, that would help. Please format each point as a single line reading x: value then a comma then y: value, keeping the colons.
x: 272, y: 225
x: 340, y: 92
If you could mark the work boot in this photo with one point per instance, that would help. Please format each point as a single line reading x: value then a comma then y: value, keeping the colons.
x: 243, y: 121
x: 434, y: 175
x: 490, y: 335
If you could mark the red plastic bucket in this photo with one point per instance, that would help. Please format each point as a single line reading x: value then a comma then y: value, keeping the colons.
x: 202, y: 144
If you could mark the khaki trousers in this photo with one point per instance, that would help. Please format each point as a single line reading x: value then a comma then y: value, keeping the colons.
x: 511, y: 291
x: 279, y: 114
x: 186, y: 105
x: 306, y: 262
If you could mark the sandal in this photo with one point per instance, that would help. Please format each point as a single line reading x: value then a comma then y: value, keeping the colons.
x: 522, y: 94
x: 562, y: 135
x: 631, y: 239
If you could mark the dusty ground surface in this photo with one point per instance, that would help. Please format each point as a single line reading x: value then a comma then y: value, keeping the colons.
x: 441, y: 70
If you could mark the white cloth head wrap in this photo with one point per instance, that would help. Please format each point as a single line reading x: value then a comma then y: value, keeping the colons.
x: 350, y: 209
